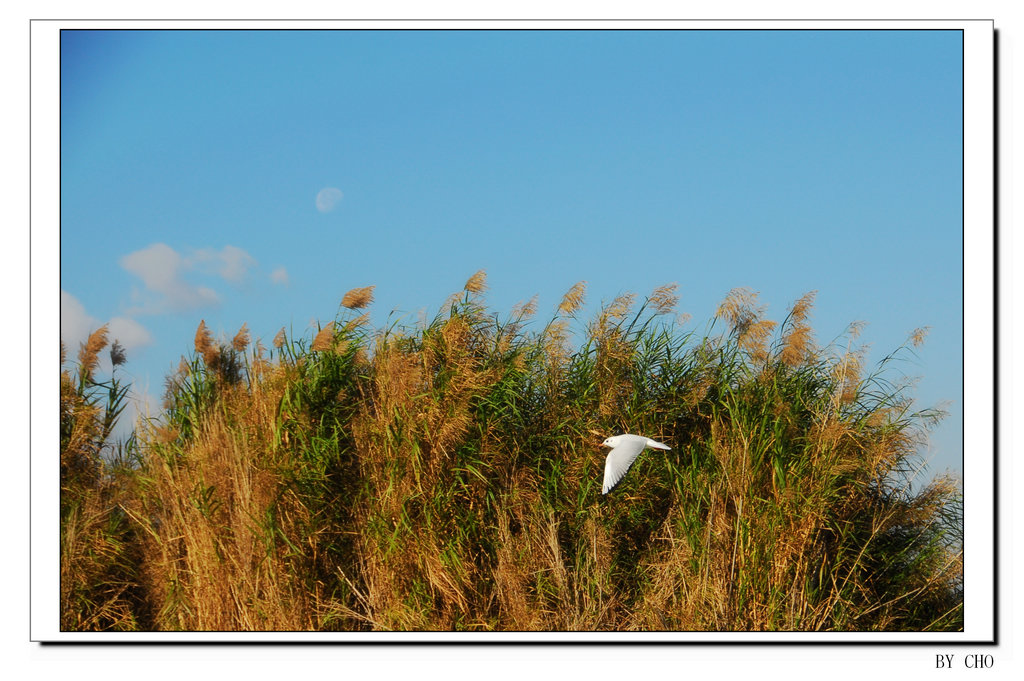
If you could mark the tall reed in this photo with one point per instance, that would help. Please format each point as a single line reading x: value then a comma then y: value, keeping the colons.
x: 447, y: 476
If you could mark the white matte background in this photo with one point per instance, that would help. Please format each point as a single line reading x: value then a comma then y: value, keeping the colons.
x: 682, y: 662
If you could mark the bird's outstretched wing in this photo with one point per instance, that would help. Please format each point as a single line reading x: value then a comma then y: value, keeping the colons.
x: 619, y: 460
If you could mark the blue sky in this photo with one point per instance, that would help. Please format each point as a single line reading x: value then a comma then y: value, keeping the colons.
x: 783, y: 161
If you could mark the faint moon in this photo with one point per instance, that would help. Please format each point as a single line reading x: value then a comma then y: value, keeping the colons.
x: 327, y: 199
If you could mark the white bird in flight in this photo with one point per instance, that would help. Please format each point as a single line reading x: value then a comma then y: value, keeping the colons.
x: 625, y: 449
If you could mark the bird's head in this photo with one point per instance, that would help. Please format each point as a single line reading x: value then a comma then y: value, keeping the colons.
x: 612, y: 441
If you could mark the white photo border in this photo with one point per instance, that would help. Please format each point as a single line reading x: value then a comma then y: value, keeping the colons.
x: 979, y: 400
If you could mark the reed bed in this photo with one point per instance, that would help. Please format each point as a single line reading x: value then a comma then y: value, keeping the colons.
x: 447, y: 476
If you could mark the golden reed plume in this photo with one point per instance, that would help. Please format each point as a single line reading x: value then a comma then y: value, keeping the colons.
x: 798, y: 342
x: 324, y: 339
x: 358, y: 298
x: 664, y: 298
x: 477, y: 283
x: 241, y: 339
x: 88, y: 354
x: 572, y: 301
x: 205, y: 345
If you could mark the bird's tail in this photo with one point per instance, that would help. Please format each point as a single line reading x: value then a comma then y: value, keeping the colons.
x: 656, y: 445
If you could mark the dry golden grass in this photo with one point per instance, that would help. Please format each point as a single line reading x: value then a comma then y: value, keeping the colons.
x: 358, y: 298
x: 88, y: 354
x: 536, y: 586
x: 747, y: 322
x: 664, y: 298
x: 476, y: 283
x: 614, y: 313
x: 918, y: 336
x: 95, y: 585
x: 847, y: 374
x: 612, y: 375
x: 417, y: 409
x: 556, y: 344
x: 205, y: 346
x: 81, y: 432
x: 357, y: 322
x: 798, y: 340
x: 324, y: 338
x: 448, y: 478
x: 210, y: 564
x: 572, y: 301
x: 241, y: 340
x: 525, y: 310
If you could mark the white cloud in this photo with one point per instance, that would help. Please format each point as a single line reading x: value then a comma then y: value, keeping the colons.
x: 158, y: 266
x: 129, y: 333
x: 234, y: 263
x: 76, y: 324
x: 230, y: 263
x: 327, y: 199
x: 161, y: 270
x: 279, y: 276
x: 167, y: 276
